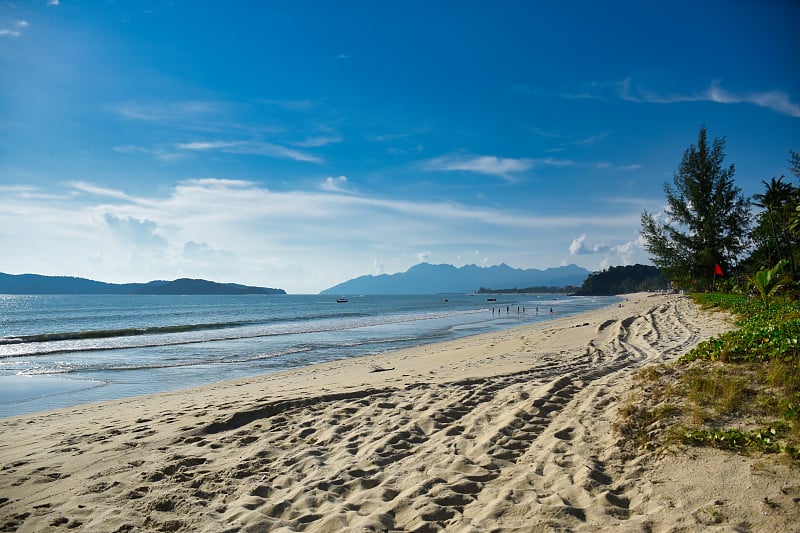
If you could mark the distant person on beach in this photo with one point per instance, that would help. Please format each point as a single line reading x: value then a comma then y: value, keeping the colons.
x: 551, y: 310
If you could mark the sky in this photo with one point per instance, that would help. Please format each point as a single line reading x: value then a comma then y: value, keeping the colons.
x: 301, y: 144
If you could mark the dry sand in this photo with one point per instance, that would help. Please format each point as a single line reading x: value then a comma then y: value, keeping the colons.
x: 508, y: 431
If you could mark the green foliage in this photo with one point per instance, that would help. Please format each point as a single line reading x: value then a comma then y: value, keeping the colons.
x: 768, y: 281
x: 771, y: 334
x: 624, y: 279
x: 707, y: 218
x: 766, y: 439
x: 738, y: 304
x: 714, y: 394
x: 775, y: 236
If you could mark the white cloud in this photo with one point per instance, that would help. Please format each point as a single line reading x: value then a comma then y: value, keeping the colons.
x: 52, y: 2
x: 334, y: 184
x: 628, y: 251
x: 424, y: 257
x: 99, y: 191
x: 16, y: 31
x: 134, y: 231
x: 578, y: 246
x: 502, y: 167
x: 624, y: 253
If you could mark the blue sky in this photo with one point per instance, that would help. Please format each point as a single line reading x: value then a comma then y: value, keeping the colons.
x: 299, y: 144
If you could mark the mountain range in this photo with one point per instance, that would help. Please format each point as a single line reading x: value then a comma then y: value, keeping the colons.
x: 425, y: 278
x: 37, y: 284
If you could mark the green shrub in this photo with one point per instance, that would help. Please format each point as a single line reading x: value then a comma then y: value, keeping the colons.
x: 749, y: 375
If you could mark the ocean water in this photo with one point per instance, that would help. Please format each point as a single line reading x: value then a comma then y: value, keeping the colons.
x: 64, y: 350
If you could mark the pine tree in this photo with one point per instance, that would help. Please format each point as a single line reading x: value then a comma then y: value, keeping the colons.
x: 706, y: 221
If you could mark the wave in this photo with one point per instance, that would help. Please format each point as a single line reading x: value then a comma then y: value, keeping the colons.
x: 377, y: 344
x: 74, y: 369
x: 155, y: 330
x: 61, y: 343
x: 109, y: 333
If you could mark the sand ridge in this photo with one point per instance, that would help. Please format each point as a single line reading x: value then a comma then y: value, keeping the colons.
x: 507, y: 431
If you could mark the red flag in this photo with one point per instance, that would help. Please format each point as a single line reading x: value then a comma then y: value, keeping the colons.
x: 717, y: 270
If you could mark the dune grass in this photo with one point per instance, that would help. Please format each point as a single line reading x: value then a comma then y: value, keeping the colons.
x: 740, y: 390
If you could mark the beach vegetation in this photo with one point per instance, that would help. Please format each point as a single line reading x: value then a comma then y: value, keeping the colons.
x: 739, y: 390
x: 767, y: 281
x: 704, y: 228
x: 775, y: 236
x: 772, y: 236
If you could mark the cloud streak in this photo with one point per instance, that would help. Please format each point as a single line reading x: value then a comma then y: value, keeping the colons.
x: 249, y: 148
x: 775, y: 100
x: 16, y: 30
x: 503, y: 167
x: 178, y: 111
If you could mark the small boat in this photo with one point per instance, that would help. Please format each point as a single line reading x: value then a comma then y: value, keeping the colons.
x: 491, y: 299
x: 341, y: 300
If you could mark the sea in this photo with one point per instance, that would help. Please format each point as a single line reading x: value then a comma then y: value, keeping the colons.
x: 65, y: 350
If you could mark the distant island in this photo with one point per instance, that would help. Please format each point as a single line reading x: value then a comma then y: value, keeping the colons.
x: 37, y: 284
x: 426, y: 278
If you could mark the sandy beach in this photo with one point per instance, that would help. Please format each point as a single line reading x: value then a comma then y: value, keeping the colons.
x: 507, y: 431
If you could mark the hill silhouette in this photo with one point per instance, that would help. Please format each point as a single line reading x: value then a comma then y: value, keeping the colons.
x: 38, y: 284
x: 426, y: 278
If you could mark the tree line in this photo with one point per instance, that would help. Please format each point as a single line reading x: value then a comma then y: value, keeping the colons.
x: 539, y: 289
x: 623, y: 280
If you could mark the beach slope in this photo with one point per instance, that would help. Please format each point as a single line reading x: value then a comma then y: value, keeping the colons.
x: 507, y: 431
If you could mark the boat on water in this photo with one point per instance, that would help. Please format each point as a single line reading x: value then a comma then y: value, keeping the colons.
x: 491, y: 299
x: 341, y: 300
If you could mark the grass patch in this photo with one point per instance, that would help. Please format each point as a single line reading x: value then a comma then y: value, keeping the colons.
x: 738, y: 391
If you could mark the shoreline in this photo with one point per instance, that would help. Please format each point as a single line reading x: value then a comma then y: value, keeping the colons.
x: 27, y: 386
x: 509, y: 429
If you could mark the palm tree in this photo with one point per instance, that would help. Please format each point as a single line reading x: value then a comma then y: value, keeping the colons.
x: 778, y: 199
x: 768, y: 281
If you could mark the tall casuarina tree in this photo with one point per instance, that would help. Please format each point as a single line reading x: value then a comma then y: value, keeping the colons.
x: 706, y: 220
